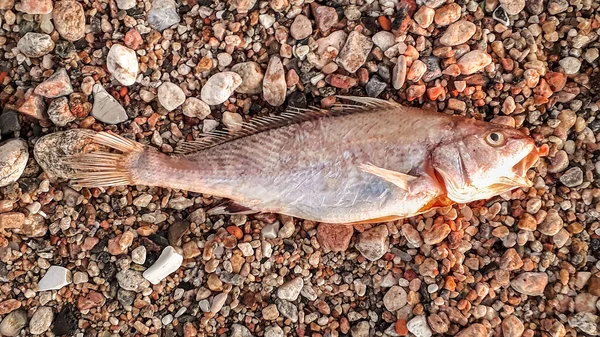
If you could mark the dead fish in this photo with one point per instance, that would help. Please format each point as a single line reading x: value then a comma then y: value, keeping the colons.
x: 370, y: 161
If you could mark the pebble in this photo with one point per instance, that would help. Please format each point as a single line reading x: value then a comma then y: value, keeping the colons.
x: 13, y: 323
x: 41, y: 320
x: 395, y: 298
x: 92, y: 299
x: 69, y: 19
x: 399, y: 73
x: 57, y: 85
x: 458, y: 33
x: 219, y: 87
x: 375, y: 86
x: 168, y: 262
x: 573, y: 177
x: 325, y: 17
x: 552, y: 224
x: 106, y: 108
x: 274, y: 331
x: 384, y: 40
x: 238, y: 330
x: 570, y: 65
x: 170, y: 96
x: 424, y: 16
x: 418, y: 326
x: 218, y: 302
x: 361, y: 329
x: 65, y: 322
x: 473, y: 330
x: 126, y: 4
x: 14, y: 154
x: 32, y: 105
x: 355, y: 52
x: 512, y: 7
x: 59, y: 112
x: 474, y: 61
x: 501, y: 16
x: 301, y: 28
x: 267, y: 20
x: 274, y: 84
x: 290, y: 290
x: 270, y: 231
x: 252, y: 77
x: 163, y: 14
x: 373, y: 243
x: 50, y: 150
x: 530, y: 283
x: 195, y: 108
x: 132, y: 280
x: 55, y: 278
x: 334, y: 237
x: 35, y: 44
x: 287, y: 310
x: 557, y: 6
x: 36, y: 6
x: 270, y: 312
x: 447, y: 14
x: 511, y: 327
x: 123, y: 64
x: 9, y: 123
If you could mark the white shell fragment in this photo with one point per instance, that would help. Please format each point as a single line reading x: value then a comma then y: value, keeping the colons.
x: 56, y: 277
x: 168, y: 262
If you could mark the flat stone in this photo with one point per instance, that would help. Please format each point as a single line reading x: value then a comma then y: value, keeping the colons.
x: 9, y: 305
x: 218, y: 302
x: 57, y: 85
x: 287, y: 310
x: 335, y: 237
x: 35, y: 44
x: 418, y: 326
x: 170, y: 96
x: 552, y: 224
x: 55, y: 278
x: 138, y: 255
x: 163, y: 14
x: 586, y: 322
x: 395, y: 298
x: 458, y: 33
x: 375, y: 86
x: 252, y: 77
x: 92, y: 299
x: 399, y: 73
x: 290, y: 290
x: 573, y: 177
x: 384, y: 40
x: 168, y: 262
x: 132, y: 280
x: 41, y: 320
x: 301, y: 28
x: 219, y: 87
x: 13, y: 323
x: 14, y: 154
x: 325, y: 17
x: 32, y: 105
x: 59, y: 112
x: 106, y: 108
x: 274, y: 85
x: 195, y: 108
x: 69, y: 19
x: 36, y: 6
x: 122, y: 63
x: 51, y: 150
x: 373, y: 243
x: 474, y: 61
x: 530, y: 283
x: 354, y: 53
x: 474, y: 330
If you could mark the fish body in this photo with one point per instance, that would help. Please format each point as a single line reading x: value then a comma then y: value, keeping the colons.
x: 378, y: 163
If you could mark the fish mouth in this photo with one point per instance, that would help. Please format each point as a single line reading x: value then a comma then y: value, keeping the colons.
x: 519, y: 170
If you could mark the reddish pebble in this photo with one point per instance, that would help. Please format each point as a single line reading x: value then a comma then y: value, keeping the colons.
x: 93, y: 299
x: 341, y: 81
x: 384, y: 22
x: 89, y: 243
x: 363, y: 76
x: 328, y: 102
x: 334, y: 237
x: 123, y: 91
x: 401, y: 327
x: 556, y: 81
x: 291, y: 78
x: 235, y: 231
x: 434, y: 92
x: 133, y: 39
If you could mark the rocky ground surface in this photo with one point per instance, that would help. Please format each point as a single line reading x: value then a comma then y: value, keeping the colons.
x: 79, y: 262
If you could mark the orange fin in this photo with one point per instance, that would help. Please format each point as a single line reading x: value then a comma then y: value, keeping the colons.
x: 101, y: 169
x: 377, y: 220
x: 399, y: 179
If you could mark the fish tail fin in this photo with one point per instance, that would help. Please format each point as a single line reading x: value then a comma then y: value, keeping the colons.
x: 103, y: 168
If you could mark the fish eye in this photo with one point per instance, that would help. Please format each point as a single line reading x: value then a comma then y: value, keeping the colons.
x: 495, y: 139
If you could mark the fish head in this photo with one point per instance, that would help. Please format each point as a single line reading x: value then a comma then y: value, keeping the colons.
x: 485, y: 160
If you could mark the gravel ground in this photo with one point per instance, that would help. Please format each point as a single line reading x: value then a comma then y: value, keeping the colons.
x: 79, y: 262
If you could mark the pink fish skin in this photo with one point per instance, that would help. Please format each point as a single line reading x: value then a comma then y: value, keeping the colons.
x: 372, y: 162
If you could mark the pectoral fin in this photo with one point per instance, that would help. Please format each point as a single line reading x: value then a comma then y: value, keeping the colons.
x: 399, y: 179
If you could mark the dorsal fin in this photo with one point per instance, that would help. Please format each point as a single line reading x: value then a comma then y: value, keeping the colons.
x: 290, y: 116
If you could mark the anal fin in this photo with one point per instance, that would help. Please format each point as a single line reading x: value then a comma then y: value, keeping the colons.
x: 397, y: 178
x: 231, y: 208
